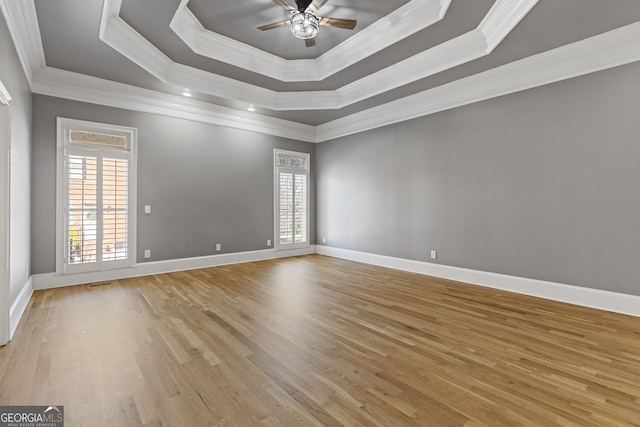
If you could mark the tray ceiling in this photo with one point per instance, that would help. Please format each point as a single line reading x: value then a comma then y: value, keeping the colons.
x: 399, y: 49
x: 234, y: 19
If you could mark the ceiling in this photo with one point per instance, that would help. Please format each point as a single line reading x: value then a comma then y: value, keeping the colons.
x: 233, y: 19
x: 401, y: 53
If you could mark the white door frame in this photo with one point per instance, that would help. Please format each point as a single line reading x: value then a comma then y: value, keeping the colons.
x: 276, y: 193
x: 5, y: 188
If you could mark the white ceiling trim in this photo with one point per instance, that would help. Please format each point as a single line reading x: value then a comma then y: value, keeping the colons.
x: 503, y: 16
x: 79, y: 87
x: 23, y: 25
x: 399, y: 24
x: 617, y: 47
x: 116, y: 32
x: 614, y: 48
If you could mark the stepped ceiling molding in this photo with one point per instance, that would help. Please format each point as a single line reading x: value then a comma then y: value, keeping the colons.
x: 401, y: 23
x: 502, y: 17
x: 405, y: 59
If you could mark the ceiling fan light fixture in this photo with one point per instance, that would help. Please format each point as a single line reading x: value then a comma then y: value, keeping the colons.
x: 304, y: 25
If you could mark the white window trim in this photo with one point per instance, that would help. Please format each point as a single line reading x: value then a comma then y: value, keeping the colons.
x: 64, y: 125
x: 276, y: 199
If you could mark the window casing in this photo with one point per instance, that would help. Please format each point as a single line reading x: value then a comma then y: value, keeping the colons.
x: 95, y: 196
x: 291, y: 199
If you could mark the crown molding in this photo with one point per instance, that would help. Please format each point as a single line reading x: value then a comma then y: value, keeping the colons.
x: 201, y: 81
x: 457, y: 51
x: 79, y: 87
x: 399, y: 24
x: 225, y: 49
x: 23, y: 25
x: 504, y: 15
x: 110, y: 9
x: 131, y: 44
x: 611, y: 49
x: 502, y: 18
x: 617, y: 47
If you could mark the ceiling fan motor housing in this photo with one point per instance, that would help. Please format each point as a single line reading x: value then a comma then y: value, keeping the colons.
x: 303, y: 4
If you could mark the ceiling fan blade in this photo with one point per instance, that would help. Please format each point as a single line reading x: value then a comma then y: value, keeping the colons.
x: 274, y: 25
x: 310, y: 42
x: 316, y: 5
x: 286, y: 5
x: 347, y: 24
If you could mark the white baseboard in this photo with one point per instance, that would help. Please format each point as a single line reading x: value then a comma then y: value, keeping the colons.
x: 19, y: 306
x: 53, y: 280
x: 594, y: 298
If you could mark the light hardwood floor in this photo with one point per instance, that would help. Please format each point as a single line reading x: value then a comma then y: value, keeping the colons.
x: 319, y: 341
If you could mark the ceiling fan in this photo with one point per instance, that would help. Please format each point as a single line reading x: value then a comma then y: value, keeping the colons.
x: 305, y: 22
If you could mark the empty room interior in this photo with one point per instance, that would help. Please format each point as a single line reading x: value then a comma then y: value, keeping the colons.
x: 319, y: 213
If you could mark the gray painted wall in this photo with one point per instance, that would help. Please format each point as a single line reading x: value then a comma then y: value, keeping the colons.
x: 206, y: 184
x: 12, y: 76
x: 543, y: 184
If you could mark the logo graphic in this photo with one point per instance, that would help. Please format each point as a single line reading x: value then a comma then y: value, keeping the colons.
x: 32, y: 416
x: 52, y: 408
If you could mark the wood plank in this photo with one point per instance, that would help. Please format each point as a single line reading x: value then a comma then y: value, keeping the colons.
x: 320, y: 341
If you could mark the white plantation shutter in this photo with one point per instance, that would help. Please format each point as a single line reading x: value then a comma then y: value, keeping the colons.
x: 291, y: 194
x: 95, y: 201
x: 300, y: 208
x: 82, y: 173
x: 115, y: 209
x: 286, y: 208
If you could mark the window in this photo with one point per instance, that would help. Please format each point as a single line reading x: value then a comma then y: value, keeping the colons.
x: 96, y: 203
x: 291, y: 199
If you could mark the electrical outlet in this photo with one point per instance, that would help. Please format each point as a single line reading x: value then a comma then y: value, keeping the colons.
x: 269, y: 242
x: 147, y: 253
x: 218, y: 247
x: 324, y: 239
x: 147, y: 209
x: 434, y: 254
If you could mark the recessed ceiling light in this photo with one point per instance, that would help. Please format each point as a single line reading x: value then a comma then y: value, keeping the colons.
x: 186, y: 93
x: 251, y: 108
